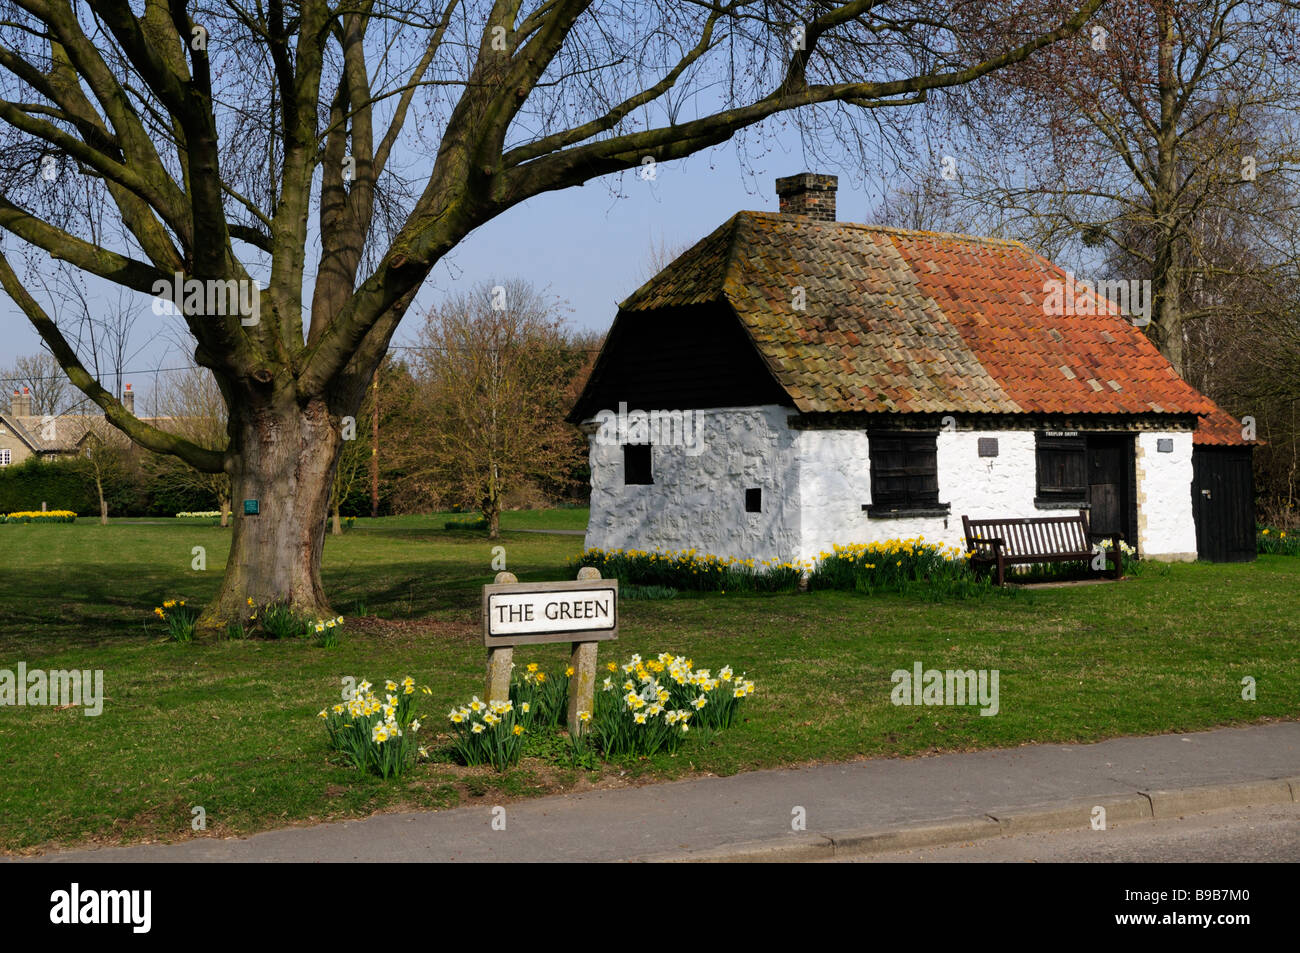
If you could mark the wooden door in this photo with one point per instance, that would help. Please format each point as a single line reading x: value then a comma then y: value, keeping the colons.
x: 1223, y: 503
x: 1108, y: 461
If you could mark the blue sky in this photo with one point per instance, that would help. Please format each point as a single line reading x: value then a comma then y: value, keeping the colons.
x: 590, y: 246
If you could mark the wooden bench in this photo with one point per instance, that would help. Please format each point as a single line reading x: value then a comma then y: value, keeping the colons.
x: 1043, y: 539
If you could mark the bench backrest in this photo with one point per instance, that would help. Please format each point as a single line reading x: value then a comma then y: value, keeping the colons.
x: 1036, y: 536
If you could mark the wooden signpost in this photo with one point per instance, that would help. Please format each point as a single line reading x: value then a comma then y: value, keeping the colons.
x: 583, y: 613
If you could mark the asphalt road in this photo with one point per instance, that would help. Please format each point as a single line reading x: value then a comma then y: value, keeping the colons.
x: 1268, y: 834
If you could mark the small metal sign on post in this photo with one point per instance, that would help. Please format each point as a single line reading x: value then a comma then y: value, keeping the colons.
x: 582, y: 612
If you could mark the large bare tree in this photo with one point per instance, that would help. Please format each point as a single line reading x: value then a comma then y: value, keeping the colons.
x: 337, y: 151
x: 1163, y: 143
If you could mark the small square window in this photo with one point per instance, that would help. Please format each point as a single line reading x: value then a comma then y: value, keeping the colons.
x: 754, y: 500
x: 636, y: 464
x: 988, y: 446
x: 1164, y: 445
x: 4, y: 458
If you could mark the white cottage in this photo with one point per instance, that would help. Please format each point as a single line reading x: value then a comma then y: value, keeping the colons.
x: 792, y: 382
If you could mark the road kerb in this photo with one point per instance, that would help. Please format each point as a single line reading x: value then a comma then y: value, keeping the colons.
x: 1071, y: 815
x: 788, y: 848
x: 956, y: 830
x: 1079, y: 814
x: 1213, y: 797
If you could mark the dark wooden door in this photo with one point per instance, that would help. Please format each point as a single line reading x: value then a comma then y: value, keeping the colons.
x: 1223, y: 503
x: 1107, y: 462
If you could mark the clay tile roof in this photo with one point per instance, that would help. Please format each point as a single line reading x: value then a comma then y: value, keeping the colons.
x: 64, y: 433
x: 903, y: 321
x: 1220, y: 429
x: 59, y: 433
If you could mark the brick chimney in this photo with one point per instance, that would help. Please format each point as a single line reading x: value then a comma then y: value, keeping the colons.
x: 15, y: 402
x: 808, y: 193
x: 128, y: 399
x: 21, y: 404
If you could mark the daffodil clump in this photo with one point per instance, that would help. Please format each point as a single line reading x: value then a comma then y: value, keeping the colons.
x: 896, y: 564
x: 328, y: 631
x: 40, y: 516
x: 1277, y: 542
x: 205, y: 514
x: 650, y: 705
x: 541, y: 699
x: 376, y: 733
x: 279, y: 621
x: 686, y: 569
x: 1128, y: 557
x: 487, y: 733
x: 178, y: 618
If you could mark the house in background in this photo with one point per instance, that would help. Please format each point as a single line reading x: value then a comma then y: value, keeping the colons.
x: 52, y: 436
x: 849, y: 383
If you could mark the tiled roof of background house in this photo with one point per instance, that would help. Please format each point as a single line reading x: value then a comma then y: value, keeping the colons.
x: 916, y: 322
x: 64, y: 433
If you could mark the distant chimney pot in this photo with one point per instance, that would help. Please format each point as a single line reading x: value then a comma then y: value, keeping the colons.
x: 808, y: 193
x: 128, y: 399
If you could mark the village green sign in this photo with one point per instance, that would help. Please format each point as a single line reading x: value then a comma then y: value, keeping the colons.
x: 585, y: 610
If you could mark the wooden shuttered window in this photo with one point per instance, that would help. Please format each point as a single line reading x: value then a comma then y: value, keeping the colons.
x: 904, y: 472
x: 1062, y: 468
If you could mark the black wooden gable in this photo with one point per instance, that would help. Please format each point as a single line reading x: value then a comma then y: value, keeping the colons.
x: 680, y: 358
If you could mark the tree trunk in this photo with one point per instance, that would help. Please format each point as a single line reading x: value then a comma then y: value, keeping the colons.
x: 492, y: 502
x: 1169, y: 336
x: 1168, y: 323
x: 336, y: 528
x: 285, y: 456
x: 103, y: 506
x: 225, y: 511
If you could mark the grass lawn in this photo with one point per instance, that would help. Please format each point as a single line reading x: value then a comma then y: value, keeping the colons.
x: 231, y: 726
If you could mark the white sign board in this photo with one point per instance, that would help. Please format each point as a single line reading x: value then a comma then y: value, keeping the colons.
x: 521, y: 613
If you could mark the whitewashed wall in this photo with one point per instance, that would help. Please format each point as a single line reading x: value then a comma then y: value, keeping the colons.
x: 835, y: 478
x: 699, y: 501
x: 1166, y: 523
x: 815, y: 483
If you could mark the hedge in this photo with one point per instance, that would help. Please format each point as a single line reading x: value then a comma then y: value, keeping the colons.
x: 59, y: 484
x: 70, y: 485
